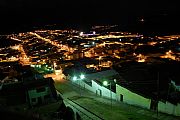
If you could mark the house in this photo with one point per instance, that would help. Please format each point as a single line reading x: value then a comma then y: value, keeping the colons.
x: 137, y: 86
x: 40, y: 91
x: 36, y: 92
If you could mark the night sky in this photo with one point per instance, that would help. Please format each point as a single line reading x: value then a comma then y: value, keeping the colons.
x: 158, y: 14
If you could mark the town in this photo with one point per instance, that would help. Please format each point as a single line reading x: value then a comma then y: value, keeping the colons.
x: 49, y: 73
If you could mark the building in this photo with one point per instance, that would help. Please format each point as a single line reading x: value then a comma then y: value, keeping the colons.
x: 120, y: 90
x: 37, y: 92
x: 41, y: 92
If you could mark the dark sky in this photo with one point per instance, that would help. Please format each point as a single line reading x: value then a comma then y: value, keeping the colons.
x: 17, y: 13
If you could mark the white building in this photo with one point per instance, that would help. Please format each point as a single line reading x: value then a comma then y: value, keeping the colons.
x: 93, y: 82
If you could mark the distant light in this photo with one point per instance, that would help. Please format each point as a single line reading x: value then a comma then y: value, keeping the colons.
x: 94, y: 32
x: 81, y: 33
x: 142, y: 20
x: 93, y: 42
x: 82, y: 76
x: 74, y: 78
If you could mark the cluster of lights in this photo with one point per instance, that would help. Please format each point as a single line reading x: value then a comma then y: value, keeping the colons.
x: 82, y: 76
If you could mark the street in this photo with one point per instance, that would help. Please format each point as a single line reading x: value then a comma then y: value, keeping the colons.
x: 102, y: 106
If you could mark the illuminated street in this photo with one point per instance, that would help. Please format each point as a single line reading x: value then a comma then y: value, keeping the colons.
x: 101, y: 106
x: 73, y: 45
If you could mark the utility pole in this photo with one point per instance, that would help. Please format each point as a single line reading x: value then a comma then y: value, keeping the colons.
x: 157, y: 92
x: 111, y: 94
x: 105, y: 83
x: 79, y: 88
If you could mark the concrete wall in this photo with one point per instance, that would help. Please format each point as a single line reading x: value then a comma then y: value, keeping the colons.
x: 177, y: 110
x: 98, y: 89
x: 86, y: 86
x: 129, y: 97
x: 132, y: 98
x: 34, y: 94
x: 169, y: 108
x: 166, y: 107
x: 104, y: 91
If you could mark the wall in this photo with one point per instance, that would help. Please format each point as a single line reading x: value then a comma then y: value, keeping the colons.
x: 166, y: 107
x: 132, y: 98
x: 104, y: 91
x: 177, y: 110
x: 96, y: 87
x: 169, y: 108
x: 34, y: 94
x: 83, y: 85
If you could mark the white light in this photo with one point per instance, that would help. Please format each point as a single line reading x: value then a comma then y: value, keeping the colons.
x: 82, y: 76
x: 81, y: 33
x: 74, y: 78
x: 105, y: 83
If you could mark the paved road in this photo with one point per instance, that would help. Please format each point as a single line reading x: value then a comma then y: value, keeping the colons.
x: 101, y: 106
x: 83, y: 112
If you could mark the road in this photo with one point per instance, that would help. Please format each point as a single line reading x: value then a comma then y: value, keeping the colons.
x: 24, y: 60
x: 89, y: 102
x: 83, y: 112
x: 60, y: 46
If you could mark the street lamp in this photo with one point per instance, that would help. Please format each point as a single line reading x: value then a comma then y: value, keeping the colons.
x: 81, y: 77
x: 54, y: 66
x: 105, y: 83
x: 74, y: 78
x: 99, y: 61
